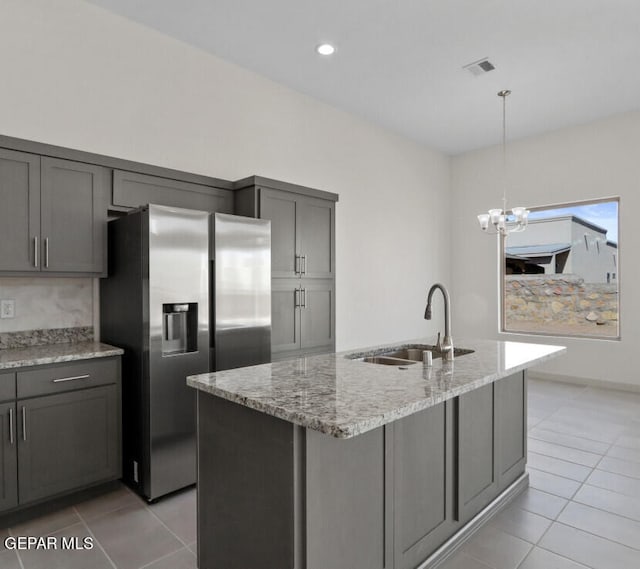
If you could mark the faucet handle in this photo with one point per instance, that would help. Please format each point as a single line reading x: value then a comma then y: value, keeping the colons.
x: 438, y: 344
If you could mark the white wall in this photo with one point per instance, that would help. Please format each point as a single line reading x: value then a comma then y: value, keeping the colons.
x: 585, y: 162
x: 77, y: 76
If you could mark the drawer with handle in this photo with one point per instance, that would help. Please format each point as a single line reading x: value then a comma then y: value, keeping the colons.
x: 7, y: 386
x: 67, y: 377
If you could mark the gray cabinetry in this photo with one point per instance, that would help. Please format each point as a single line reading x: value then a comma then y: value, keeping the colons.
x: 62, y: 433
x: 67, y: 441
x: 423, y: 484
x: 511, y: 412
x: 302, y: 238
x: 54, y: 214
x: 477, y: 480
x: 346, y: 486
x: 303, y: 314
x: 8, y: 457
x: 132, y: 190
x: 391, y: 497
x: 302, y: 262
x: 74, y: 216
x: 19, y: 211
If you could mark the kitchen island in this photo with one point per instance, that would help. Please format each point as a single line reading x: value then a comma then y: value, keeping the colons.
x: 331, y: 462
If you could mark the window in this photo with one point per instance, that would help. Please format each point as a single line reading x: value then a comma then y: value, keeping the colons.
x: 561, y: 275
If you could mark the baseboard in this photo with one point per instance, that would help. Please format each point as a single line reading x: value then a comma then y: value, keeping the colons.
x: 455, y: 542
x: 586, y: 381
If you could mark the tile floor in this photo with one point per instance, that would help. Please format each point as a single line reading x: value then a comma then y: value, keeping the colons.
x: 582, y: 509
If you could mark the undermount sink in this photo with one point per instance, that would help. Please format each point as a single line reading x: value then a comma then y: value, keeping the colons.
x: 415, y: 353
x: 388, y: 361
x: 410, y: 355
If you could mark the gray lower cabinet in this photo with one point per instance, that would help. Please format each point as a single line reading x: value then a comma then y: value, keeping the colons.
x: 386, y: 499
x: 63, y: 433
x: 303, y: 316
x: 67, y: 441
x: 8, y: 457
x: 54, y: 215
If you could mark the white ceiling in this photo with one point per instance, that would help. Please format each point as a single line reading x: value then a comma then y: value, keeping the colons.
x: 399, y: 62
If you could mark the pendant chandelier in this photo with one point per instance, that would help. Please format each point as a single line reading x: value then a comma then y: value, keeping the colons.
x: 499, y: 221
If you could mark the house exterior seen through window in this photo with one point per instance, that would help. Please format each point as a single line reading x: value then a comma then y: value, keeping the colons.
x: 561, y: 275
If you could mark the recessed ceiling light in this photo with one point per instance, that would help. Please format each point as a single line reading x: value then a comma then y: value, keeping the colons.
x: 325, y: 49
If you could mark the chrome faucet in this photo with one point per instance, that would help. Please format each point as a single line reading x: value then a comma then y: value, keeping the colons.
x: 446, y: 347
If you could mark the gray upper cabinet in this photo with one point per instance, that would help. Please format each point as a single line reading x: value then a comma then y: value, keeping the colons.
x: 132, y: 190
x: 74, y: 216
x: 302, y: 237
x: 20, y: 211
x: 55, y: 215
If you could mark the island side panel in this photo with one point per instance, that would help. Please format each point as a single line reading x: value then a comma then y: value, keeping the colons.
x: 423, y: 484
x: 245, y: 487
x: 511, y: 410
x: 345, y: 501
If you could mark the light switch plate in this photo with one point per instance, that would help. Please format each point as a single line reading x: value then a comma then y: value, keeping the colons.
x: 7, y: 308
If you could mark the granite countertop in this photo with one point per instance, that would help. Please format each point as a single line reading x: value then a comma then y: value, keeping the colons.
x: 55, y: 353
x: 343, y: 397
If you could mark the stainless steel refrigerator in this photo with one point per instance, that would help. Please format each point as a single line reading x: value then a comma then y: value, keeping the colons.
x: 176, y: 312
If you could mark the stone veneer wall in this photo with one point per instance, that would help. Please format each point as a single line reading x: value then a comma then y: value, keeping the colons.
x: 563, y: 299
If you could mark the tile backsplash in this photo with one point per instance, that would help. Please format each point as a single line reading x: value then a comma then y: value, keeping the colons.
x: 43, y: 303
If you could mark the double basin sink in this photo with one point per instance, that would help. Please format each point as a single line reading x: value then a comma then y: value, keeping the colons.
x: 409, y: 355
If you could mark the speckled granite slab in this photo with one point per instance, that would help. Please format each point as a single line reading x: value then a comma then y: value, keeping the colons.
x: 27, y: 338
x: 344, y: 397
x: 55, y: 353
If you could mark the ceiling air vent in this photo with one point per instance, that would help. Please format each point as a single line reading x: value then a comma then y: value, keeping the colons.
x: 479, y: 67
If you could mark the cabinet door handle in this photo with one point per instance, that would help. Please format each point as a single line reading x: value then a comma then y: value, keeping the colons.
x: 24, y: 423
x: 71, y: 378
x: 304, y: 264
x: 304, y: 298
x: 296, y: 264
x: 296, y: 298
x: 35, y: 251
x: 11, y: 433
x: 46, y: 253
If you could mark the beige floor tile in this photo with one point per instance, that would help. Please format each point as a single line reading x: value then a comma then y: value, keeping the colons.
x: 521, y: 523
x: 615, y: 482
x: 624, y: 453
x: 564, y: 453
x: 609, y: 501
x: 47, y: 524
x: 557, y: 466
x: 570, y: 441
x: 589, y: 549
x: 182, y: 559
x: 178, y: 513
x: 9, y: 560
x: 133, y: 537
x: 462, y: 561
x: 541, y: 503
x: 543, y: 559
x: 603, y: 524
x: 552, y: 484
x: 496, y: 548
x: 618, y: 466
x: 93, y: 558
x: 108, y: 502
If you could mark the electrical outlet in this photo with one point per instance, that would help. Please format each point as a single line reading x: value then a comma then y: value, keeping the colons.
x: 7, y: 308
